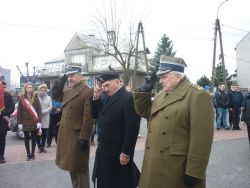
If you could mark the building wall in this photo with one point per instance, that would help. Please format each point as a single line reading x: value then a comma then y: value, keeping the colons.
x: 243, y: 62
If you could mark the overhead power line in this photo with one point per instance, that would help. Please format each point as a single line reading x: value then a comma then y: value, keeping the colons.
x: 235, y: 28
x: 89, y: 31
x: 237, y: 58
x: 40, y: 27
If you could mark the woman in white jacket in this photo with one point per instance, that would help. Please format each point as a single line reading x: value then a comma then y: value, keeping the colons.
x: 46, y: 105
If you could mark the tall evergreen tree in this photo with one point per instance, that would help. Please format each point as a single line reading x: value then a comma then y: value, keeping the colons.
x: 164, y: 47
x: 219, y: 76
x: 203, y: 81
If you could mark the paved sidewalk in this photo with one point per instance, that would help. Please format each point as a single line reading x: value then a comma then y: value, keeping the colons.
x: 17, y: 154
x: 228, y: 167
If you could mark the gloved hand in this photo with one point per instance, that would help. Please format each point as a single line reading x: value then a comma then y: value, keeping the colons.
x: 20, y: 126
x: 57, y: 88
x: 190, y: 180
x: 63, y: 79
x: 39, y: 133
x: 84, y: 144
x: 149, y: 83
x: 38, y: 125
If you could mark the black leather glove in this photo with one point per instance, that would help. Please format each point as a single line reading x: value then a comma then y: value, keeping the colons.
x: 190, y: 180
x: 84, y: 144
x: 149, y: 83
x: 57, y: 88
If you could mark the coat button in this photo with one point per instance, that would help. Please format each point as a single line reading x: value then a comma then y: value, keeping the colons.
x: 166, y: 117
x: 147, y: 147
x: 149, y: 131
x: 161, y: 151
x: 163, y: 133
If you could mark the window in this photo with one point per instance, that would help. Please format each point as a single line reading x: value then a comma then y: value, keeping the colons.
x: 78, y: 59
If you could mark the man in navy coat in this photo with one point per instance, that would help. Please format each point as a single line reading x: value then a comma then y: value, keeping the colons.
x: 118, y: 127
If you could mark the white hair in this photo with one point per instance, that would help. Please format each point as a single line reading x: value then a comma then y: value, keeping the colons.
x: 182, y: 75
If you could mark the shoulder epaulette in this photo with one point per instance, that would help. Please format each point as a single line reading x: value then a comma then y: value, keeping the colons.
x: 199, y: 88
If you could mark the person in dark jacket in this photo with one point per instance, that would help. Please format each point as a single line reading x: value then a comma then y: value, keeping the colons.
x: 4, y: 117
x: 236, y: 106
x: 229, y: 111
x: 246, y: 113
x: 118, y: 127
x: 55, y: 117
x: 222, y: 101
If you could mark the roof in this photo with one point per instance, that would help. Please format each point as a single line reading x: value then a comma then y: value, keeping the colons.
x: 82, y: 41
x: 244, y: 38
x: 60, y: 58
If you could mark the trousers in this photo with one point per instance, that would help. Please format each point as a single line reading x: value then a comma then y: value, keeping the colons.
x: 80, y: 179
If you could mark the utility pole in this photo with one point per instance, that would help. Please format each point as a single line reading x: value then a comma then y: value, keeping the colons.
x: 139, y: 31
x: 27, y: 67
x: 217, y: 28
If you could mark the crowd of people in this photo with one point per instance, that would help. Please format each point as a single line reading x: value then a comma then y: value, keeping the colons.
x: 232, y: 103
x: 37, y: 116
x: 180, y: 126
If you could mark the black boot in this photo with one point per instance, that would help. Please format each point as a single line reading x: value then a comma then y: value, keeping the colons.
x: 2, y: 159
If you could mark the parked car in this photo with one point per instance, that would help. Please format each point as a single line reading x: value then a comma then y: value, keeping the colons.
x: 14, y: 126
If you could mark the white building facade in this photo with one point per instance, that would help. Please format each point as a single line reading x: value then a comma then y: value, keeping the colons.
x: 243, y: 62
x: 85, y: 50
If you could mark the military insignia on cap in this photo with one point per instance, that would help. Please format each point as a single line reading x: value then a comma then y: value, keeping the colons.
x: 168, y: 64
x: 73, y: 69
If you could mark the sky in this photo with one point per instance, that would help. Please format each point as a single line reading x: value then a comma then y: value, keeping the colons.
x: 38, y: 31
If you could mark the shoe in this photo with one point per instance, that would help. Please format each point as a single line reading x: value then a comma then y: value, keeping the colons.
x: 28, y: 157
x: 227, y: 128
x: 2, y: 159
x: 48, y: 145
x: 32, y: 157
x: 44, y: 150
x: 39, y: 150
x: 236, y: 128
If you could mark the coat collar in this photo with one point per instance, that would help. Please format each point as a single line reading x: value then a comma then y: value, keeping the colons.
x: 163, y: 99
x: 113, y: 98
x: 71, y: 93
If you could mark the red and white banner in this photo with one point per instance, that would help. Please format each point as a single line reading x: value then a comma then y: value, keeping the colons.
x: 30, y: 108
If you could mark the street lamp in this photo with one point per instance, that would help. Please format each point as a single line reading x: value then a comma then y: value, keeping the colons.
x: 220, y: 6
x: 218, y: 29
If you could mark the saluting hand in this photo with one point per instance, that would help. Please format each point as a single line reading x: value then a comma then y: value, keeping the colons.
x: 98, y: 91
x: 124, y: 159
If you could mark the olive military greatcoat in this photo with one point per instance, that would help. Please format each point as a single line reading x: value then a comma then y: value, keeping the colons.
x: 179, y: 137
x: 76, y: 123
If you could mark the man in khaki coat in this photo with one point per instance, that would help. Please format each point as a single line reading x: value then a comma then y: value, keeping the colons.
x: 75, y: 128
x: 180, y: 132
